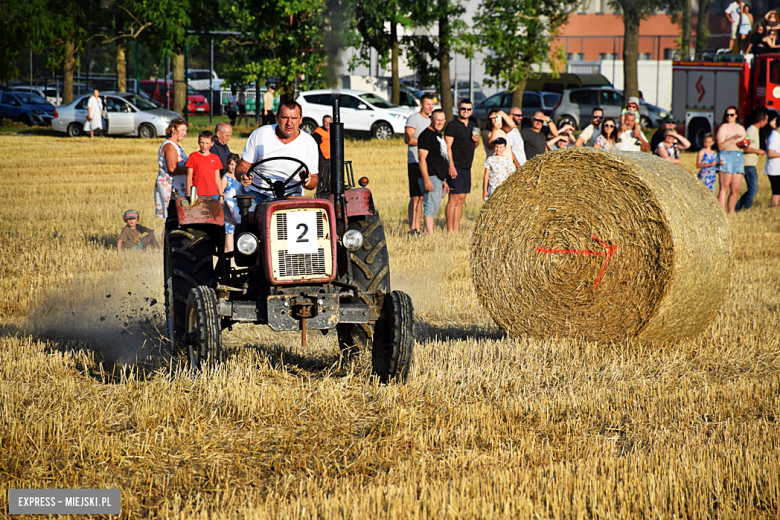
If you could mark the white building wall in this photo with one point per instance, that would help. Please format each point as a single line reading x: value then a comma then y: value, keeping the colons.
x: 655, y: 79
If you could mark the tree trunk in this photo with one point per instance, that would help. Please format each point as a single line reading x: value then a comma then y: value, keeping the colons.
x: 121, y: 66
x: 702, y: 29
x: 517, y: 93
x: 444, y: 62
x: 179, y: 85
x: 630, y: 54
x: 396, y: 90
x: 67, y: 72
x: 686, y: 30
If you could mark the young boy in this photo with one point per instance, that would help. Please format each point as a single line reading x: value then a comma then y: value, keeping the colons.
x: 132, y: 233
x: 497, y: 168
x: 203, y: 169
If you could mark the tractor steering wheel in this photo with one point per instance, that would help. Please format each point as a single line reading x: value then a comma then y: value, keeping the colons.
x: 279, y: 188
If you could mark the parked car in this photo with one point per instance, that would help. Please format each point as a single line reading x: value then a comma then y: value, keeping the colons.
x: 125, y: 113
x: 360, y: 111
x: 26, y: 107
x: 49, y: 92
x: 576, y: 106
x: 548, y: 82
x: 532, y: 102
x: 199, y: 79
x: 163, y: 92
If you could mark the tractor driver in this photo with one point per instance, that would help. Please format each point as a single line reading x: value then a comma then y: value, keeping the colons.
x: 283, y: 139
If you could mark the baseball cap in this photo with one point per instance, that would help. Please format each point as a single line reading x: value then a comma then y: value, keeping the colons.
x: 634, y: 100
x: 669, y: 118
x: 131, y: 213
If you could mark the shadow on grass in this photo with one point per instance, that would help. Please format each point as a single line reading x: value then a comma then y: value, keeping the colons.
x: 316, y: 366
x: 425, y: 332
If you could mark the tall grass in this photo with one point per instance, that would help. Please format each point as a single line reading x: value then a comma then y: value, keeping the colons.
x: 486, y: 427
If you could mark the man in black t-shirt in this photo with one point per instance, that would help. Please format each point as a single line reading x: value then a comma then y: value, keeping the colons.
x: 535, y: 138
x: 434, y: 167
x: 462, y: 137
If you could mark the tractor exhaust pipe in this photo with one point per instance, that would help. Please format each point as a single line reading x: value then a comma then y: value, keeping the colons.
x: 336, y: 149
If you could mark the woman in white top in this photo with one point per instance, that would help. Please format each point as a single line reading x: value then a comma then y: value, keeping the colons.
x: 171, y: 172
x: 772, y: 168
x: 745, y: 27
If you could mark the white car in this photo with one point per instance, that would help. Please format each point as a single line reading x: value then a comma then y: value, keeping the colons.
x: 199, y: 79
x: 361, y: 111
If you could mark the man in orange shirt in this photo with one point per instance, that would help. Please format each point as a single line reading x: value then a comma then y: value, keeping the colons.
x: 322, y: 138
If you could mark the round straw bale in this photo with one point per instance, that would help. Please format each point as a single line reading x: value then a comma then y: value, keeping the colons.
x: 602, y: 246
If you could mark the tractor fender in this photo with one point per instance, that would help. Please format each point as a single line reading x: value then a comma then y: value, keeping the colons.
x: 206, y: 210
x: 359, y: 202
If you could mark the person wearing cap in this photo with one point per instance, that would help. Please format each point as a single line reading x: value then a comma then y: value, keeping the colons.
x: 132, y: 235
x: 498, y: 168
x: 658, y: 136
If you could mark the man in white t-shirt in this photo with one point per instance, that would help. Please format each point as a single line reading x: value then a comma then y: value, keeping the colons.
x: 591, y: 133
x: 632, y: 139
x: 513, y: 137
x: 734, y: 15
x: 94, y: 114
x: 280, y: 140
x: 415, y: 125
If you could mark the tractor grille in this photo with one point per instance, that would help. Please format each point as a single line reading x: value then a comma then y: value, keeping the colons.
x: 287, y: 266
x: 302, y: 265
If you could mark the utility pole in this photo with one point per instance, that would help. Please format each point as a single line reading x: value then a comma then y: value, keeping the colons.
x: 211, y: 79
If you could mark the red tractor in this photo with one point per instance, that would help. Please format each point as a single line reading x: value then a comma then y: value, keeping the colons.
x: 299, y: 264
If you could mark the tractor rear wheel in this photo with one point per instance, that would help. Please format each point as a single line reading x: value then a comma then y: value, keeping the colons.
x: 394, y: 338
x: 371, y: 272
x: 204, y: 334
x: 188, y: 264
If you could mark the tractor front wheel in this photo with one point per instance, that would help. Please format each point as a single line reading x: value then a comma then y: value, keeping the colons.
x: 204, y: 334
x: 394, y: 338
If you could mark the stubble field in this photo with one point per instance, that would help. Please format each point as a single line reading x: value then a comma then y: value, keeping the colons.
x: 486, y: 427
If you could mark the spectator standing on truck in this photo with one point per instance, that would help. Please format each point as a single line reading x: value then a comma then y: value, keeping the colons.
x: 750, y: 159
x: 223, y: 133
x: 591, y: 133
x: 732, y: 168
x: 94, y: 114
x: 772, y: 168
x: 321, y: 136
x: 536, y: 137
x: 734, y: 14
x: 745, y: 26
x: 171, y: 172
x: 434, y: 165
x: 757, y: 43
x: 658, y: 136
x: 415, y: 125
x: 462, y: 137
x: 268, y: 105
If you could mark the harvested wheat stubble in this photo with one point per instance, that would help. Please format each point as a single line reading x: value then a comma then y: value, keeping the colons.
x: 602, y: 246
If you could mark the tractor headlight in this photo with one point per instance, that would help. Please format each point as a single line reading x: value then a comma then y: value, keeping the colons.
x: 246, y: 243
x: 352, y: 239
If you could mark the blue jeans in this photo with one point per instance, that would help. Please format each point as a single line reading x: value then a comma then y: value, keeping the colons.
x: 431, y: 199
x: 257, y: 197
x: 751, y: 179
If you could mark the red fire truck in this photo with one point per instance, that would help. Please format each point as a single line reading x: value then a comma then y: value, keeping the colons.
x: 702, y: 90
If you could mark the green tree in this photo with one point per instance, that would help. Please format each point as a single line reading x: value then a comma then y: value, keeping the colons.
x: 130, y: 20
x: 633, y: 12
x: 283, y: 39
x: 702, y: 27
x: 377, y: 23
x: 520, y: 34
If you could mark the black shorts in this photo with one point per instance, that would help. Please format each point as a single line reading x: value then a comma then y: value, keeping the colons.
x: 461, y: 183
x: 242, y: 109
x: 774, y: 180
x: 413, y: 170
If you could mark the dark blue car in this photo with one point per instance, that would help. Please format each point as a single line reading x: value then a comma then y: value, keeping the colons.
x: 30, y: 109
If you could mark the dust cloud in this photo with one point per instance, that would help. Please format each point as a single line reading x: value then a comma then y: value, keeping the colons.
x: 119, y: 313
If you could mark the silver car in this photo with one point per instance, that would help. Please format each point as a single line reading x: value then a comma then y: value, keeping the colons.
x: 576, y: 106
x: 125, y: 113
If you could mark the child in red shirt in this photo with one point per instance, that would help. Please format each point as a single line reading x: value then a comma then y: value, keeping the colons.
x: 203, y: 169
